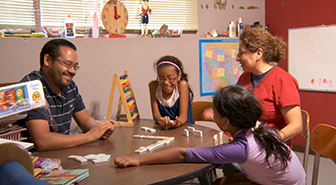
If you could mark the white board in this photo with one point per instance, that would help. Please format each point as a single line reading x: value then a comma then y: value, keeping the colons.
x: 312, y: 57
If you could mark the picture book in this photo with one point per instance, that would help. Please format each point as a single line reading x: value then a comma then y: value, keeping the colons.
x: 47, y: 165
x: 65, y: 177
x: 26, y: 145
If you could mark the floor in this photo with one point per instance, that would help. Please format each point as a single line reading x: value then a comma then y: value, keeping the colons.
x: 327, y: 172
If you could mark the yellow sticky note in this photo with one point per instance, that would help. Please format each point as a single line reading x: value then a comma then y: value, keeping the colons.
x: 220, y: 58
x: 233, y: 53
x: 208, y: 53
x: 221, y: 72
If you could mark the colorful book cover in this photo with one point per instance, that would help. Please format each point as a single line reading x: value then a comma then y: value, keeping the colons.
x: 66, y: 177
x: 47, y: 165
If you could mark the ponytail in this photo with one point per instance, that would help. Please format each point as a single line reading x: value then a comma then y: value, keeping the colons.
x: 272, y: 144
x: 243, y: 110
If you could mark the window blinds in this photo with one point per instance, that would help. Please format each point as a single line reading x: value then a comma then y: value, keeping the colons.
x: 177, y: 14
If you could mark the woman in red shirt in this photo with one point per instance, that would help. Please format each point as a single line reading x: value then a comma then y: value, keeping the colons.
x: 276, y: 89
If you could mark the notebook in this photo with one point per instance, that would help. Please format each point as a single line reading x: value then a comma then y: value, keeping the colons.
x: 26, y: 145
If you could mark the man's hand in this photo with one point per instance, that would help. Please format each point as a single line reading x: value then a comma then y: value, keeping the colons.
x: 104, y: 130
x: 109, y: 132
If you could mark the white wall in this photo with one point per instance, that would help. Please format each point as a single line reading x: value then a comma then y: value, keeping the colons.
x: 100, y: 58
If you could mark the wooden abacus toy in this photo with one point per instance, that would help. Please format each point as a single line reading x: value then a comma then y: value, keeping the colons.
x: 127, y: 100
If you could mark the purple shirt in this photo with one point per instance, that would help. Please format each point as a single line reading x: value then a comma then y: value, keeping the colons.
x: 246, y: 151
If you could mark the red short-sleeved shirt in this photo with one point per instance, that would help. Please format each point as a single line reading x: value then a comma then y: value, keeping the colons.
x: 278, y: 89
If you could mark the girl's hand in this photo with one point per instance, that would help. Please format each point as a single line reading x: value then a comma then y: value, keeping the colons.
x: 124, y: 162
x: 176, y: 123
x: 164, y: 122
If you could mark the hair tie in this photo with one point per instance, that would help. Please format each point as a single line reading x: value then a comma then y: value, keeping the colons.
x: 256, y: 126
x: 171, y: 63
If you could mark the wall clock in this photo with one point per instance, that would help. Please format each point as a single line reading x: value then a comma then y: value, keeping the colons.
x: 115, y: 17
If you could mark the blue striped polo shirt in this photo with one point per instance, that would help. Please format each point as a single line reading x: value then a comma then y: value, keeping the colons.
x: 61, y: 108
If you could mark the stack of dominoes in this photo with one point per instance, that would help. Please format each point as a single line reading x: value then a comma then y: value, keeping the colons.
x: 218, y: 139
x: 162, y: 140
x: 152, y: 130
x: 192, y: 130
x: 96, y: 158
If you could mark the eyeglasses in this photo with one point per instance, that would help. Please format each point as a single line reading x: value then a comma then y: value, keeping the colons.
x: 68, y: 64
x: 169, y: 79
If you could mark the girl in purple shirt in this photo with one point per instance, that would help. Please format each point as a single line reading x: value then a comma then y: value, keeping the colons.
x: 263, y: 156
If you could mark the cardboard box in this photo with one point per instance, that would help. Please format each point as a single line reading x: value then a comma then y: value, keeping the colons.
x: 21, y: 97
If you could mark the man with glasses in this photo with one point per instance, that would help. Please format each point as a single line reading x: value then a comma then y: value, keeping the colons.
x: 49, y: 127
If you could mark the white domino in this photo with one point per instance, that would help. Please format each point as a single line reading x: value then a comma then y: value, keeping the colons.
x: 221, y: 137
x: 100, y: 160
x: 191, y: 129
x: 162, y: 140
x: 152, y: 130
x: 171, y: 139
x: 73, y: 156
x: 160, y: 143
x: 96, y: 158
x: 215, y: 140
x: 161, y: 137
x: 198, y: 133
x: 186, y: 132
x: 151, y: 147
x: 81, y: 159
x: 90, y: 157
x: 141, y: 150
x: 145, y: 128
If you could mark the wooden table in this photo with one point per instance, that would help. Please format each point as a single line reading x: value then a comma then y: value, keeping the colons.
x: 123, y: 143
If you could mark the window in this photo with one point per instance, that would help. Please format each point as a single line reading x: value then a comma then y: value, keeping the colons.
x: 177, y: 14
x: 16, y: 12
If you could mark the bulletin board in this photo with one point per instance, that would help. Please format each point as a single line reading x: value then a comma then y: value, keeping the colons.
x: 218, y: 65
x: 312, y: 57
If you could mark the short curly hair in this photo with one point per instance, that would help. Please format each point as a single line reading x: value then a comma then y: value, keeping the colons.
x: 274, y: 47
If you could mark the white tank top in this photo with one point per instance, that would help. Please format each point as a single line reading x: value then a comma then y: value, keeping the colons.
x: 171, y: 100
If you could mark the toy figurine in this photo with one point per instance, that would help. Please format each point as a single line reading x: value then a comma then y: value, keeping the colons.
x: 144, y: 10
x: 221, y: 4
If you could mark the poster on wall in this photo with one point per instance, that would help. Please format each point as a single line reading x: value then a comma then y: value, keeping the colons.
x: 218, y: 65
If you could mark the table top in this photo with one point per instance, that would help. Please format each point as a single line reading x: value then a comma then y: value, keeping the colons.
x: 123, y: 143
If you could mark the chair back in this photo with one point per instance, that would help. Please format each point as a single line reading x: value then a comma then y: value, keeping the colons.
x: 16, y: 152
x: 198, y: 108
x: 323, y: 143
x: 306, y: 134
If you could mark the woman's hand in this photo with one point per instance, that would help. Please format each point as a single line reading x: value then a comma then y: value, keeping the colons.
x: 208, y: 114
